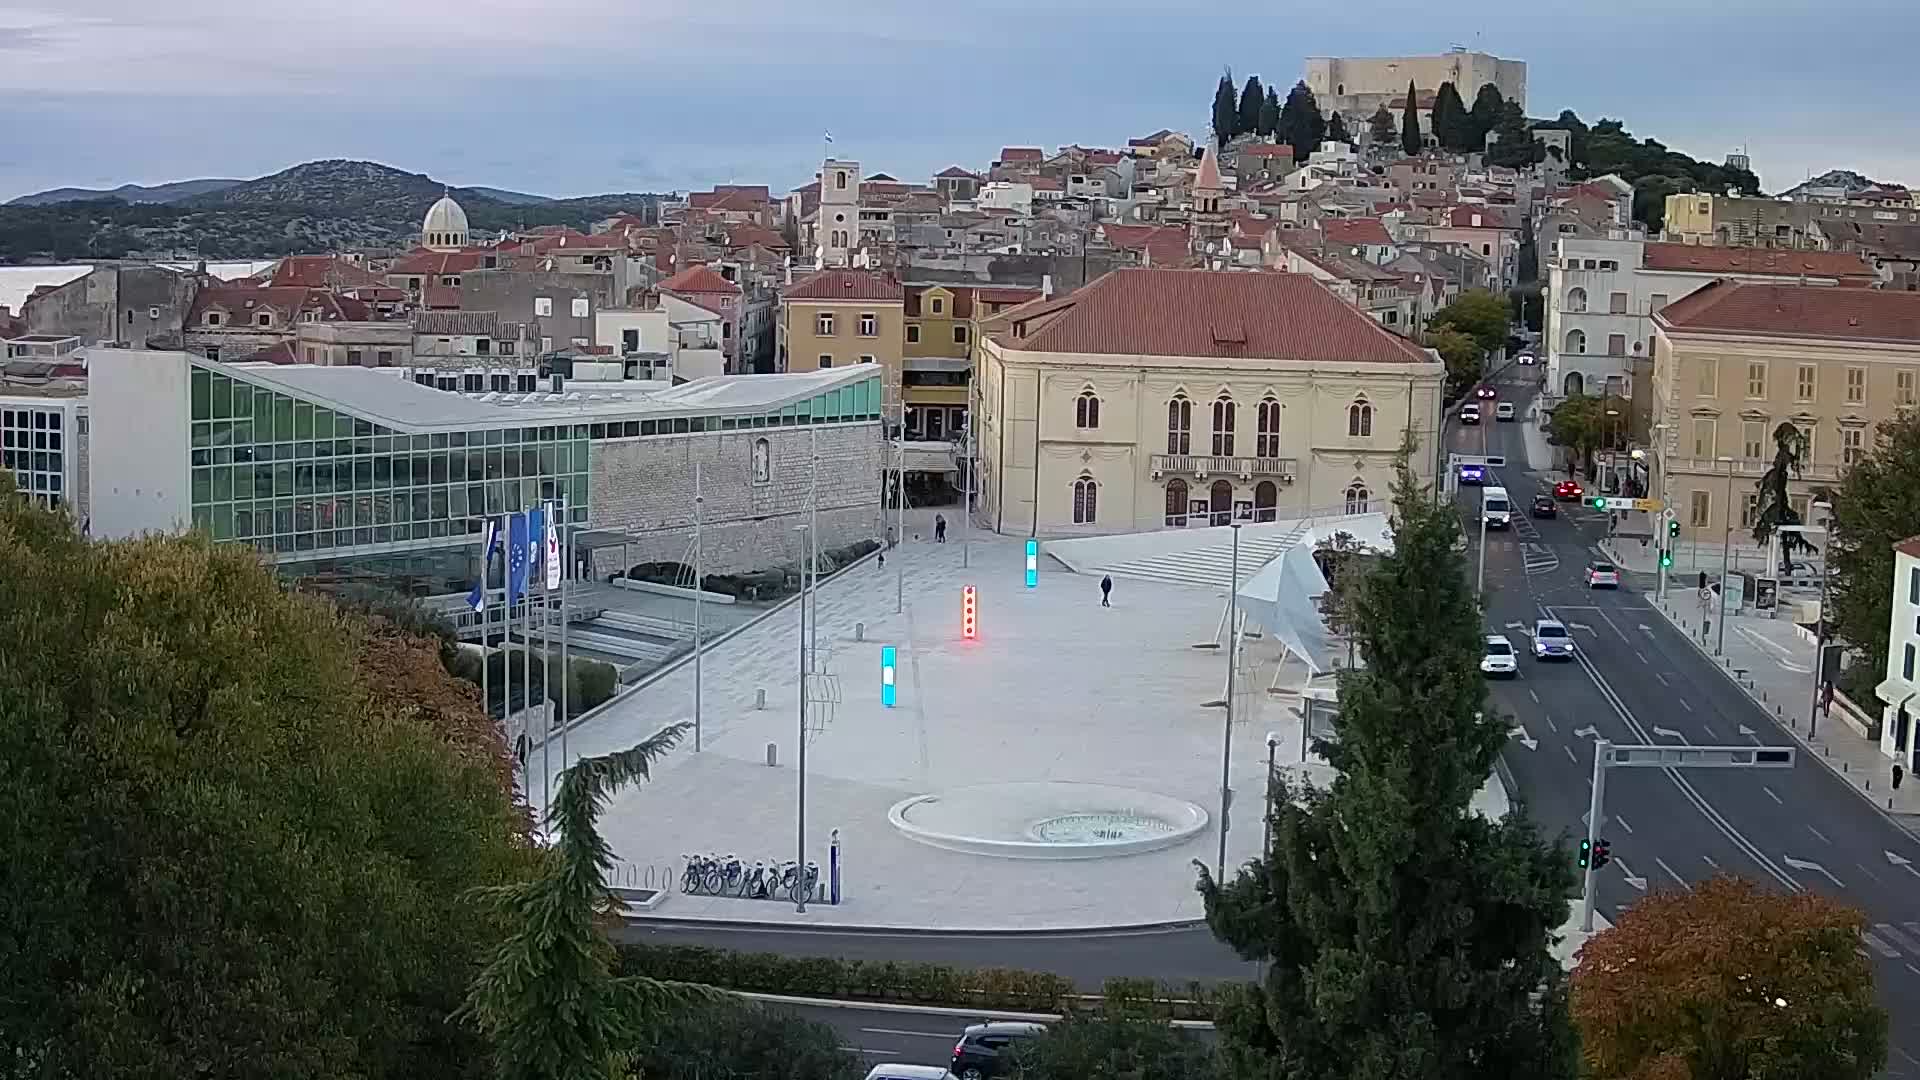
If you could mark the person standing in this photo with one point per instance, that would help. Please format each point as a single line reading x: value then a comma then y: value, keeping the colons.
x: 1106, y: 591
x: 939, y: 528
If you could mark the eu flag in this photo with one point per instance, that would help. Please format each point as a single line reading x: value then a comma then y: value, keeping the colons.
x: 516, y: 558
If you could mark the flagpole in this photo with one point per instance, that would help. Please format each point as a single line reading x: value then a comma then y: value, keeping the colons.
x: 526, y: 654
x: 539, y: 567
x: 566, y: 590
x: 698, y: 554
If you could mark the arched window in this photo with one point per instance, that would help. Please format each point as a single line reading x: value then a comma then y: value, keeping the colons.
x: 1266, y: 499
x: 1576, y: 299
x: 1176, y: 502
x: 1086, y: 411
x: 1220, y: 503
x: 1179, y: 425
x: 1223, y: 411
x: 1086, y: 494
x: 1358, y: 497
x: 1266, y: 443
x: 1360, y: 419
x: 1576, y: 341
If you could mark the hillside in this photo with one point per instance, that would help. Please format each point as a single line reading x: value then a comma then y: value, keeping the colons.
x: 128, y: 193
x: 317, y: 206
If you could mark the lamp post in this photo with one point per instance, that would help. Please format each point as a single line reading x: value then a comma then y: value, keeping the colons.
x: 1480, y: 575
x: 1726, y: 550
x: 1657, y: 460
x: 1226, y: 736
x: 1820, y: 629
x: 800, y: 754
x: 1266, y: 829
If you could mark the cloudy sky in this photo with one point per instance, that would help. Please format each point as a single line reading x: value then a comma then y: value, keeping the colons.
x: 571, y: 97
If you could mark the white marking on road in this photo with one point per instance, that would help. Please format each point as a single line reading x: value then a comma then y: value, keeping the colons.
x: 1898, y: 937
x: 1708, y: 859
x: 1662, y: 678
x: 1802, y: 864
x: 1571, y: 758
x: 1869, y: 873
x: 1534, y: 696
x: 1901, y: 862
x: 1552, y: 725
x: 1662, y: 864
x: 909, y: 1034
x: 1581, y: 626
x: 1822, y: 837
x: 1622, y: 822
x: 1647, y: 630
x: 875, y: 1053
x: 1616, y: 629
x: 1641, y: 655
x: 1771, y: 795
x: 1711, y: 734
x: 1637, y: 882
x: 1879, y: 946
x: 1747, y: 732
x: 1526, y: 740
x: 1669, y: 733
x: 1916, y: 971
x: 1899, y: 1051
x: 1684, y: 705
x: 1586, y: 732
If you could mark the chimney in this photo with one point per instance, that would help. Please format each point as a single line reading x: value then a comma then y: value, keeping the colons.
x: 1046, y: 286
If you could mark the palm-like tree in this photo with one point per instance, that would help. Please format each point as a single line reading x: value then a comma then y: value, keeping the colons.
x: 549, y: 998
x: 1774, y: 508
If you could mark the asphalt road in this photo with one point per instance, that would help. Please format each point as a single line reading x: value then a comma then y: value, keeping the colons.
x: 887, y: 1036
x: 1637, y: 680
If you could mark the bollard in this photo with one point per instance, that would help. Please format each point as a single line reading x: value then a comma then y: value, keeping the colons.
x: 760, y: 698
x: 773, y: 755
x: 859, y: 631
x: 1869, y: 786
x: 833, y: 866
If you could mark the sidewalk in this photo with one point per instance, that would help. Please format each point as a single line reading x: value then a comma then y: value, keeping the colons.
x: 1774, y: 665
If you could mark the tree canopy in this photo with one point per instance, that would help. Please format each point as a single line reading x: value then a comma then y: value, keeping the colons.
x: 1270, y: 113
x: 1337, y: 130
x: 1582, y: 424
x: 1301, y: 125
x: 1463, y: 356
x: 1654, y: 170
x: 1488, y: 106
x: 1380, y: 126
x: 1876, y: 505
x: 1247, y: 116
x: 247, y: 825
x: 1478, y: 313
x: 1406, y: 936
x: 1730, y: 982
x: 1514, y: 146
x: 1226, y: 111
x: 711, y: 1040
x: 1116, y: 1048
x: 1451, y: 124
x: 1410, y: 141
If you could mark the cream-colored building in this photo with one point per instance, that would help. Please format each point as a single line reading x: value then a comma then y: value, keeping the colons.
x: 1735, y: 360
x: 1181, y: 398
x: 837, y: 318
x: 1356, y: 86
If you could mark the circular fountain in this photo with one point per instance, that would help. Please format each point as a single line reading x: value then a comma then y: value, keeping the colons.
x: 1048, y: 819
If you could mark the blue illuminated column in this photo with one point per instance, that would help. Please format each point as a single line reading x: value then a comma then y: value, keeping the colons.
x: 889, y: 684
x: 1033, y: 564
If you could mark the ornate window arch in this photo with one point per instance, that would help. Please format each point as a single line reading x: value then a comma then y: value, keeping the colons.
x: 1177, y: 496
x: 1360, y: 419
x: 1223, y: 417
x: 1358, y: 497
x: 1266, y: 441
x: 1576, y: 299
x: 1086, y: 410
x: 1179, y: 424
x: 1086, y: 497
x: 1576, y: 341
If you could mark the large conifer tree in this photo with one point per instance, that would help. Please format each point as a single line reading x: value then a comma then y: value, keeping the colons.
x: 1451, y: 124
x: 1406, y: 936
x: 1410, y: 123
x: 1226, y: 114
x: 1252, y: 96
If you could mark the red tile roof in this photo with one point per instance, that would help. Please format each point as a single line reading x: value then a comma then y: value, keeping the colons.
x: 280, y: 352
x: 1004, y: 294
x: 1735, y: 260
x: 1797, y: 311
x: 424, y: 262
x: 1208, y: 178
x: 1022, y: 153
x: 1353, y: 232
x: 1045, y: 183
x: 955, y: 172
x: 320, y: 272
x: 844, y: 285
x: 699, y: 278
x: 961, y: 308
x: 441, y: 297
x: 1910, y: 546
x: 1223, y: 314
x: 1462, y: 217
x: 242, y: 301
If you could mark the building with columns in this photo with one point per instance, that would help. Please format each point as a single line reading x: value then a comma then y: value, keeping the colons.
x: 1182, y: 398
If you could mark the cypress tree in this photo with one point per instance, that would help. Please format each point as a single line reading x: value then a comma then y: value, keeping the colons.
x: 1301, y: 125
x: 1410, y: 123
x: 1337, y: 130
x: 1406, y: 935
x: 1451, y: 124
x: 1380, y: 126
x: 1270, y: 113
x: 1247, y: 119
x: 1487, y: 107
x: 1226, y: 115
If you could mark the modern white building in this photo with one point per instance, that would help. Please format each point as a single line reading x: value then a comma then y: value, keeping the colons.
x: 1899, y: 692
x: 43, y: 444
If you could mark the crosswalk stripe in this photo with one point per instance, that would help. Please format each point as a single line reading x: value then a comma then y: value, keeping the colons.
x: 1899, y: 938
x: 1879, y: 946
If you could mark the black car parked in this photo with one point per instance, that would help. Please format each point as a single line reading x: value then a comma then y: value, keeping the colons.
x: 986, y: 1050
x: 1543, y: 507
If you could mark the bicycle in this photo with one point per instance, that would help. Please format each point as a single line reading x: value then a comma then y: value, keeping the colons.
x: 691, y: 878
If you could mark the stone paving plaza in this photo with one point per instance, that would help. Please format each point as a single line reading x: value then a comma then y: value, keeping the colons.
x: 1055, y: 688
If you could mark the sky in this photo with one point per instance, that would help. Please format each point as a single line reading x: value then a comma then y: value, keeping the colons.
x: 577, y: 97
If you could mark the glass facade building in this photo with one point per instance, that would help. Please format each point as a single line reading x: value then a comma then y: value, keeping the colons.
x: 34, y: 444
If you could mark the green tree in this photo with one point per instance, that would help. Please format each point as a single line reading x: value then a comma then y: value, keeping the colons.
x: 1380, y: 126
x: 1226, y: 113
x: 1478, y: 313
x: 1451, y: 124
x: 1115, y: 1048
x: 1301, y: 126
x: 1585, y: 423
x: 1247, y: 116
x: 1270, y: 113
x: 548, y: 998
x: 1514, y: 146
x: 1729, y: 981
x: 244, y: 826
x: 1877, y: 505
x: 710, y: 1040
x: 1775, y: 505
x: 1337, y: 130
x: 1488, y: 105
x: 1464, y: 358
x: 1405, y: 936
x: 1410, y: 141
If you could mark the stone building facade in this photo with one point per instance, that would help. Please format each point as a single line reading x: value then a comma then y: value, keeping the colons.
x: 138, y: 306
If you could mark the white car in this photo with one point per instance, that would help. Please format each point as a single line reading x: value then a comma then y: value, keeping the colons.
x: 1528, y: 359
x: 1551, y: 640
x: 1602, y: 575
x: 1499, y: 661
x: 1503, y: 411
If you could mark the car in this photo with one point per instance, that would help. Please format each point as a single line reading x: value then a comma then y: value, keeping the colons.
x: 1551, y: 640
x: 1503, y: 411
x: 986, y: 1050
x: 1568, y: 491
x: 1473, y: 474
x: 1528, y: 359
x: 908, y: 1072
x: 1486, y: 392
x: 1544, y: 507
x: 1497, y: 660
x: 1496, y: 509
x: 1602, y: 575
x: 1470, y: 413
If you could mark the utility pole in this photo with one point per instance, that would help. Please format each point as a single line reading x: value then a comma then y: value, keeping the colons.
x: 966, y: 492
x: 900, y: 510
x: 698, y: 570
x: 1226, y: 737
x: 1480, y: 575
x: 1726, y: 551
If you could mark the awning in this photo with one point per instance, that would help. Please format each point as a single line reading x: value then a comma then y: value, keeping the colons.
x: 1895, y: 691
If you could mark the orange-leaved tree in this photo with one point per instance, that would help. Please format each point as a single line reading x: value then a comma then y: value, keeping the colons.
x: 1729, y: 982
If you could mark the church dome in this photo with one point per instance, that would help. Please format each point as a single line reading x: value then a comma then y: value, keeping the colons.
x: 445, y: 225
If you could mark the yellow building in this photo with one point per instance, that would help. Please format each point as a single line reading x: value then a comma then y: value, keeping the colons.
x: 1184, y: 398
x: 942, y: 336
x: 835, y: 318
x: 1747, y: 221
x: 1733, y: 361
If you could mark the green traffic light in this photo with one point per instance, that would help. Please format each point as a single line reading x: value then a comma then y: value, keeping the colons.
x: 1586, y: 853
x: 1599, y: 502
x: 1666, y: 559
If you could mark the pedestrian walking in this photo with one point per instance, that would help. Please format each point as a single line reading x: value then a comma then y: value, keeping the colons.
x: 1106, y: 591
x: 939, y: 528
x: 1898, y: 775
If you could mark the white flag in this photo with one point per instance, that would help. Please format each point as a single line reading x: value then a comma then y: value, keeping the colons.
x: 553, y: 548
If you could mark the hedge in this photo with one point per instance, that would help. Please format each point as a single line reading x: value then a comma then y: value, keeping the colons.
x: 761, y: 585
x: 919, y: 983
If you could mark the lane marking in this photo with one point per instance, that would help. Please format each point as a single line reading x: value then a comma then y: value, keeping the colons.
x: 1708, y: 859
x: 875, y: 1053
x: 1813, y: 867
x: 1571, y: 758
x: 1771, y: 795
x: 1898, y: 937
x: 1554, y: 726
x: 1662, y: 678
x: 1916, y: 971
x: 1819, y: 835
x: 1869, y: 873
x: 1534, y: 696
x: 1616, y: 628
x: 1879, y: 946
x: 1641, y: 655
x: 1684, y: 705
x: 1622, y: 822
x: 1672, y: 873
x: 909, y: 1034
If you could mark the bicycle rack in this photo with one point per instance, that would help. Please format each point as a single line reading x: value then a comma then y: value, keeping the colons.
x: 740, y: 888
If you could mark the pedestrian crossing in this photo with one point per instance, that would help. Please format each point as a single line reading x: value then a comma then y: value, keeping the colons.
x: 1894, y: 942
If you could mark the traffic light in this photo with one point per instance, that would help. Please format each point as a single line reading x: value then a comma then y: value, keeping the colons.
x: 1666, y: 559
x: 1673, y: 527
x: 1602, y: 854
x: 1586, y: 853
x: 1599, y: 502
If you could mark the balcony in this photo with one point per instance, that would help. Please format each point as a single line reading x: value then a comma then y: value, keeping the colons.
x: 1751, y: 469
x: 1202, y: 466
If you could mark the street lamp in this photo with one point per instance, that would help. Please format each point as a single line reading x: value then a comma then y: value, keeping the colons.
x: 1657, y: 460
x: 1726, y: 551
x: 1820, y: 629
x: 1226, y: 738
x: 800, y: 756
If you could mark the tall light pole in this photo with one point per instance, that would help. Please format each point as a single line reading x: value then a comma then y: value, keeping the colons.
x: 698, y: 566
x: 1226, y: 737
x: 800, y: 754
x: 1726, y: 550
x: 1480, y: 574
x: 1820, y: 629
x: 1658, y: 460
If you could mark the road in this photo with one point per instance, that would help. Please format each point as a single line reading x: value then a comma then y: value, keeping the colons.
x: 1638, y: 680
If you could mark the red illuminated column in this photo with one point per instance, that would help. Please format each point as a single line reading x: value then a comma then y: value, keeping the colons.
x: 969, y: 613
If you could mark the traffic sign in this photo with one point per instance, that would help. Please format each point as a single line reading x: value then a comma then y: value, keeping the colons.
x: 1669, y: 513
x: 1615, y: 503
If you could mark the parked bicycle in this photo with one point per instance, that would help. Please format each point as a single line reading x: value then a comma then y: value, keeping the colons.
x: 727, y: 875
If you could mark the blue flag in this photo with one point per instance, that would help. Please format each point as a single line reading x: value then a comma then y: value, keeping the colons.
x: 489, y: 545
x: 536, y: 545
x: 516, y: 557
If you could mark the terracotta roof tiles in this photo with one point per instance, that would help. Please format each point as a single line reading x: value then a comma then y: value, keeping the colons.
x: 1819, y: 312
x: 1910, y: 547
x: 1742, y: 260
x: 844, y: 285
x: 1022, y: 153
x: 1353, y: 232
x: 699, y: 278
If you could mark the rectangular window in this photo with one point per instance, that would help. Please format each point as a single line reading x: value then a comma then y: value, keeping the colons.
x: 1749, y: 511
x: 869, y: 324
x: 1903, y: 387
x: 865, y: 359
x: 385, y: 357
x: 1757, y: 380
x: 1913, y: 586
x: 1804, y: 382
x: 543, y: 305
x: 1700, y: 509
x: 1616, y: 344
x: 582, y: 307
x: 1656, y: 302
x: 1708, y: 384
x: 1617, y: 303
x: 1906, y: 663
x: 1753, y: 439
x: 823, y: 324
x: 1703, y: 430
x: 959, y: 335
x: 913, y: 335
x: 1851, y: 445
x: 826, y: 360
x: 1856, y: 386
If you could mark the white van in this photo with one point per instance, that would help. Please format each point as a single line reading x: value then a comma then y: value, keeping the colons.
x: 1495, y: 508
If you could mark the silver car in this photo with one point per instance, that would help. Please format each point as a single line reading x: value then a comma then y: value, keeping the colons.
x: 1551, y: 641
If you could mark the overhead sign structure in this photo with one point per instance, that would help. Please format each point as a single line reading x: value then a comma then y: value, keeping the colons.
x: 969, y: 613
x: 889, y: 682
x: 1607, y: 502
x: 1033, y: 564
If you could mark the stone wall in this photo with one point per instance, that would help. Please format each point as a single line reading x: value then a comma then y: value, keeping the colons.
x: 644, y: 486
x: 143, y: 306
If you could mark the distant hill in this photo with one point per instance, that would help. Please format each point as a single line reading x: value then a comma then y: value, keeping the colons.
x: 128, y: 193
x: 1845, y: 179
x: 312, y: 207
